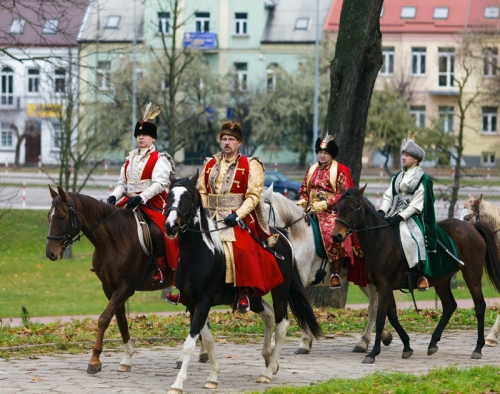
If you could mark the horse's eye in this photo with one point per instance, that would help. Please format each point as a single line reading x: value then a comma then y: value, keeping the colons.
x: 61, y: 217
x: 189, y: 199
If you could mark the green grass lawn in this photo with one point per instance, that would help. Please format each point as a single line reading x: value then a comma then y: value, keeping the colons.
x: 67, y: 287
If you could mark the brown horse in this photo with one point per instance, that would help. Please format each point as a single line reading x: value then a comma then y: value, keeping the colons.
x: 386, y: 266
x: 119, y: 260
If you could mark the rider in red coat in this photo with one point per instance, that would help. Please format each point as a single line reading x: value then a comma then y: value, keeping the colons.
x: 144, y: 182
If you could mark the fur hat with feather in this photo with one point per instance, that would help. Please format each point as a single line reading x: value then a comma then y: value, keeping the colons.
x: 410, y: 147
x: 144, y: 126
x: 328, y: 144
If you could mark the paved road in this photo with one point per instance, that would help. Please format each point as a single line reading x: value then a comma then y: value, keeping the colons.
x: 152, y: 369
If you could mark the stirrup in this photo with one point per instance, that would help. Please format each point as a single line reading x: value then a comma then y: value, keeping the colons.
x: 330, y: 281
x: 243, y: 309
x: 426, y: 284
x: 156, y: 281
x: 172, y: 299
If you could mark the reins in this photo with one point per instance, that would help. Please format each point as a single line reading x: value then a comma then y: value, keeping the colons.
x: 68, y: 239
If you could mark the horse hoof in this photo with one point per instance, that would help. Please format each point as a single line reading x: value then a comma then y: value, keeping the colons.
x: 388, y: 339
x: 263, y: 379
x: 359, y: 349
x: 174, y: 391
x: 369, y: 360
x: 210, y: 385
x: 301, y: 350
x: 124, y: 368
x: 476, y: 355
x: 432, y: 350
x: 178, y: 365
x: 490, y: 343
x: 202, y: 359
x: 94, y: 368
x: 407, y: 354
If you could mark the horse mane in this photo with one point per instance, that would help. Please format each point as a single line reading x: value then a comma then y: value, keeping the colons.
x: 88, y: 206
x: 289, y: 213
x: 491, y: 212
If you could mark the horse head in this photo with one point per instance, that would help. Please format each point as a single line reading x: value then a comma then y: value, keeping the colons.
x: 63, y: 224
x: 350, y: 213
x: 183, y: 201
x: 470, y: 212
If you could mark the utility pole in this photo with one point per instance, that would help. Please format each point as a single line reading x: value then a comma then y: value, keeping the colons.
x: 316, y: 86
x: 134, y: 77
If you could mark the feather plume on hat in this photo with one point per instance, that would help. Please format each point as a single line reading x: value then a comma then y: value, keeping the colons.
x: 150, y: 113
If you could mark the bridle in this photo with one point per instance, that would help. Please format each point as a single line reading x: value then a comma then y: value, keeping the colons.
x: 476, y: 215
x: 72, y: 224
x: 352, y: 227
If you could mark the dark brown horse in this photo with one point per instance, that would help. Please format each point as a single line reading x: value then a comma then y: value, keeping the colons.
x: 386, y: 266
x: 119, y: 260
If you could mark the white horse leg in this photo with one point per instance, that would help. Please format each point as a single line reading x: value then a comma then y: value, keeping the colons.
x: 492, y: 338
x: 187, y: 351
x: 208, y: 341
x: 362, y: 346
x: 273, y: 367
x: 202, y: 358
x: 267, y: 317
x: 126, y: 364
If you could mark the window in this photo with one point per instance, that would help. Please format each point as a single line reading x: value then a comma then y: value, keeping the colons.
x: 240, y: 27
x: 271, y: 77
x: 491, y: 13
x: 7, y: 93
x: 102, y: 75
x: 446, y: 59
x: 50, y: 26
x: 33, y: 80
x: 490, y: 59
x: 488, y: 158
x: 112, y: 22
x: 446, y: 119
x: 440, y: 13
x: 202, y: 22
x: 408, y: 12
x: 163, y: 23
x: 301, y: 23
x: 60, y: 80
x: 418, y: 112
x: 56, y: 135
x: 418, y: 56
x: 6, y: 136
x: 241, y: 70
x: 388, y: 65
x: 490, y: 116
x: 17, y: 26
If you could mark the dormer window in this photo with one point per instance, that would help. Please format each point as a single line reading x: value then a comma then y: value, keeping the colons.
x: 301, y: 23
x: 17, y: 26
x: 408, y: 12
x: 50, y: 26
x: 112, y: 22
x: 440, y: 13
x: 491, y: 13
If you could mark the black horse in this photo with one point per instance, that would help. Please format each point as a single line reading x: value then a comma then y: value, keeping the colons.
x: 200, y: 278
x: 386, y: 266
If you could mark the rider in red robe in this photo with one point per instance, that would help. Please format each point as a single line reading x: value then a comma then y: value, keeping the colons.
x: 319, y: 194
x: 144, y: 182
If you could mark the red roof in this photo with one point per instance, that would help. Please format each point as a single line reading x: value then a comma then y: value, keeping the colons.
x: 460, y: 13
x: 35, y: 13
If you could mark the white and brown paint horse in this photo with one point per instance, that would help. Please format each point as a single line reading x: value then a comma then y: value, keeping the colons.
x: 284, y: 213
x: 478, y: 210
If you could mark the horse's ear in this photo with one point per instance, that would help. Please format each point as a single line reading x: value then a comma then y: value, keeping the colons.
x: 194, y: 178
x: 341, y: 188
x: 53, y: 193
x: 62, y: 193
x: 477, y: 202
x: 171, y: 177
x: 362, y: 190
x: 266, y: 195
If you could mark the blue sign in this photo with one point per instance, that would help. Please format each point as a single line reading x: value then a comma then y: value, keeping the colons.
x: 199, y: 40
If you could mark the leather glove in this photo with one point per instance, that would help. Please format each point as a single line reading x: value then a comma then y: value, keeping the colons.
x: 302, y: 204
x: 232, y: 219
x: 319, y: 206
x: 381, y: 213
x: 111, y: 200
x: 133, y: 202
x: 395, y: 220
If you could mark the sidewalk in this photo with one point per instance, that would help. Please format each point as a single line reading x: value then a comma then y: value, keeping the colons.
x: 464, y: 304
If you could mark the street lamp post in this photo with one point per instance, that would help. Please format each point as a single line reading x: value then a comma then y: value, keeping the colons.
x: 316, y: 85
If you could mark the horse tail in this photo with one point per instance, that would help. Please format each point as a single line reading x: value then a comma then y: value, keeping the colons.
x: 301, y: 306
x: 492, y: 260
